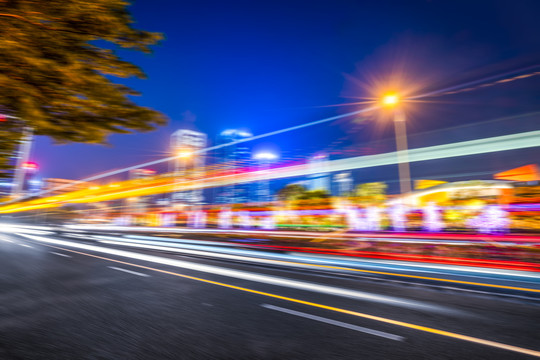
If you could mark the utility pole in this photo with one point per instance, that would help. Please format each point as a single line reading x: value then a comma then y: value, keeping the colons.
x: 22, y: 157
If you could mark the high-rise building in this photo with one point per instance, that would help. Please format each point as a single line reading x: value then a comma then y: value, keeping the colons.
x: 188, y: 163
x: 319, y: 178
x: 263, y: 160
x: 139, y: 204
x: 233, y: 158
x: 343, y: 183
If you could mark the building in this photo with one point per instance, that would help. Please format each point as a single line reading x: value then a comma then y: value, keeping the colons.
x: 188, y: 163
x: 343, y: 183
x: 319, y: 178
x: 234, y: 158
x: 140, y: 204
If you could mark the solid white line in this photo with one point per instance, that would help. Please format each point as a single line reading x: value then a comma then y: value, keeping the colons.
x: 128, y: 271
x: 59, y: 254
x: 336, y: 323
x: 28, y: 246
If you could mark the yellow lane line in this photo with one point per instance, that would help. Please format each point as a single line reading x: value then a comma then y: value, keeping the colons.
x: 415, y: 276
x: 326, y: 307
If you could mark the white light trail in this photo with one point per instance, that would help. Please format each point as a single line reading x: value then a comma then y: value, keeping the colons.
x: 244, y: 275
x: 464, y: 148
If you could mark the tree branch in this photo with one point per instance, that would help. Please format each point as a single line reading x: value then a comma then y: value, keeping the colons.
x: 22, y: 18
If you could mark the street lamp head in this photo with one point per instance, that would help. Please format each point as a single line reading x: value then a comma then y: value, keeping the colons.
x: 390, y: 100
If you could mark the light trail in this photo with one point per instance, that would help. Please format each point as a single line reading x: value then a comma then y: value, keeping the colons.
x: 305, y: 261
x: 302, y: 260
x: 457, y: 149
x: 481, y: 83
x: 245, y: 275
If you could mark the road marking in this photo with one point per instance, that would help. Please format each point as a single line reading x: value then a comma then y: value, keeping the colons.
x: 59, y: 254
x: 128, y: 271
x: 336, y: 323
x: 28, y: 246
x: 322, y: 306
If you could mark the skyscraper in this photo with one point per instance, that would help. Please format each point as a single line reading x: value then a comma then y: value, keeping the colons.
x: 232, y: 159
x: 188, y: 163
x: 319, y: 178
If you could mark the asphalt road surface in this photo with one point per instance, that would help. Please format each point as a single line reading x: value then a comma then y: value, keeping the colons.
x: 76, y: 298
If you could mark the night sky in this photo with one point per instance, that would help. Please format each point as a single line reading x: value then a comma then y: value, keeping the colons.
x: 266, y: 65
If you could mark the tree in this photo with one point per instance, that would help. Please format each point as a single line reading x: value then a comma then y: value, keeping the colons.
x: 55, y: 71
x: 291, y: 192
x: 314, y: 194
x: 374, y: 192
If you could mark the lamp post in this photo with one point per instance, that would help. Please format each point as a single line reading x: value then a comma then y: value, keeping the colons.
x: 392, y: 101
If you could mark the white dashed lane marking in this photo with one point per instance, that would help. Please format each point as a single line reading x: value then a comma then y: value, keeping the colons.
x: 336, y: 323
x: 128, y: 271
x: 60, y: 254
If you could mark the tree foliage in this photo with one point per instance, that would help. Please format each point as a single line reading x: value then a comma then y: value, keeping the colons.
x: 314, y: 194
x: 374, y: 193
x: 55, y: 72
x: 291, y: 192
x: 298, y: 196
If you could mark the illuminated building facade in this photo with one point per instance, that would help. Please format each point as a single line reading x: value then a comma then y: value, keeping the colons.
x: 233, y: 159
x: 188, y: 163
x: 320, y: 180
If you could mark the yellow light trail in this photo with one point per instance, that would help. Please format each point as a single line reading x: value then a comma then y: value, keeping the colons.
x: 169, y: 184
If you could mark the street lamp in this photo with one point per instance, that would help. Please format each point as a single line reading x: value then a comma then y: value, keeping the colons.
x: 391, y: 101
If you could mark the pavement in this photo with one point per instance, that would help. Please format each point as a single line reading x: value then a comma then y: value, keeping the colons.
x: 66, y: 297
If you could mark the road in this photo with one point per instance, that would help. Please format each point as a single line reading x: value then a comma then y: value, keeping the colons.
x: 78, y: 298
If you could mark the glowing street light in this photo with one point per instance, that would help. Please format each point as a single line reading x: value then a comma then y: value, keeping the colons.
x: 392, y: 101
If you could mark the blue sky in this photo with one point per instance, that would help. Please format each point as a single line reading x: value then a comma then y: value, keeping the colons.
x: 265, y: 65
